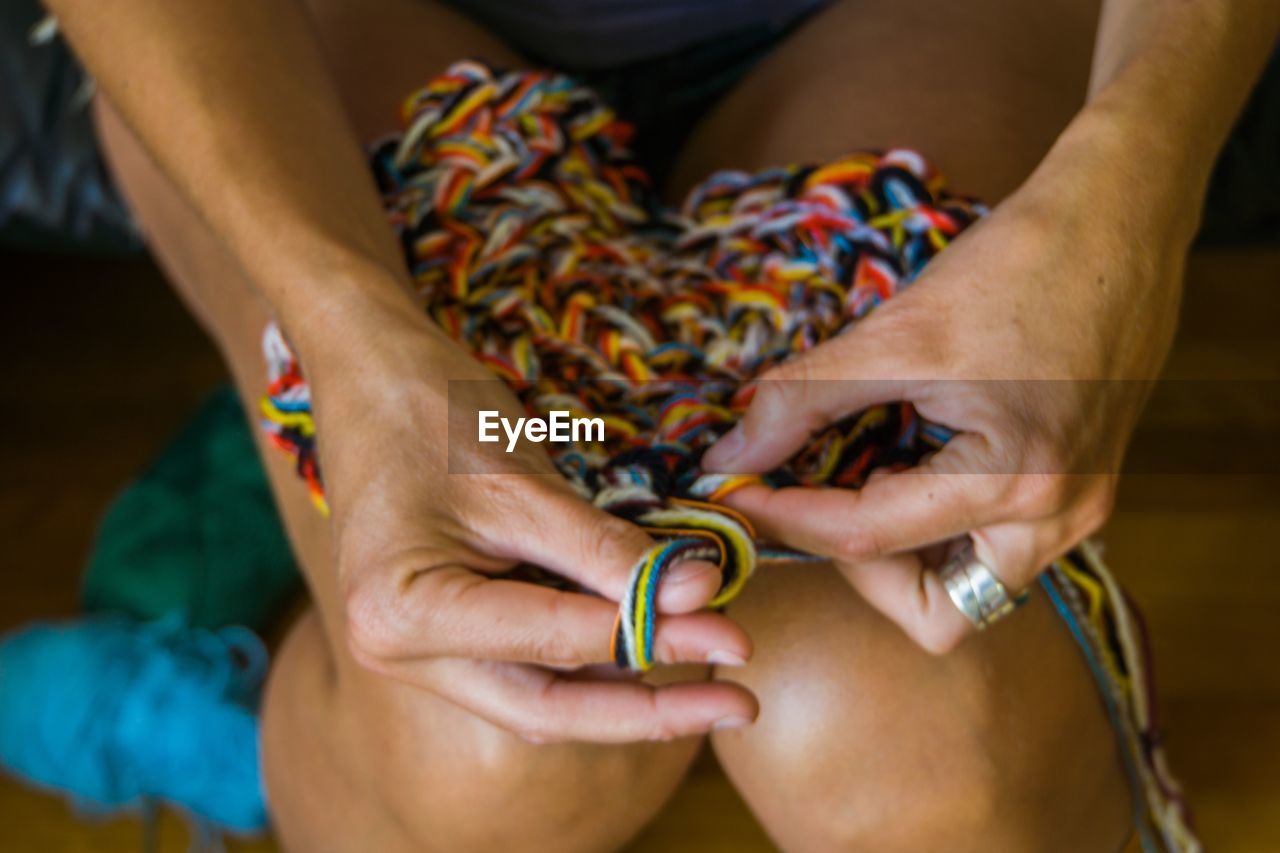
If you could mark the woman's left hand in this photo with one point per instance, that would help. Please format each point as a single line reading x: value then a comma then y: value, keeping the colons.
x: 1034, y: 337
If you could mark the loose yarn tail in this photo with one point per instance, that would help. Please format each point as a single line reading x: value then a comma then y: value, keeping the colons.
x: 687, y: 530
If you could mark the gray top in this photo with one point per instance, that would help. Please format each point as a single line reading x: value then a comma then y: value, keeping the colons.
x: 604, y: 33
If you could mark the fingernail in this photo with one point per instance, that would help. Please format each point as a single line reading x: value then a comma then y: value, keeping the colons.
x: 730, y: 723
x: 687, y: 571
x: 724, y: 451
x: 720, y: 657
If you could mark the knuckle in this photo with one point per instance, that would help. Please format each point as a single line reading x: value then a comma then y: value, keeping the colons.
x: 496, y: 497
x: 909, y: 333
x: 790, y: 386
x: 558, y: 647
x: 1038, y: 495
x: 1045, y: 448
x: 543, y: 720
x: 555, y: 649
x: 371, y: 637
x: 1097, y: 508
x: 367, y: 648
x: 606, y: 538
x: 860, y: 543
x: 937, y: 640
x: 532, y: 732
x: 797, y: 367
x: 662, y: 732
x: 535, y: 489
x: 660, y: 728
x: 775, y: 393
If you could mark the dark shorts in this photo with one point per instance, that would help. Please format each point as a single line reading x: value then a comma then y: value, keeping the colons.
x: 666, y: 96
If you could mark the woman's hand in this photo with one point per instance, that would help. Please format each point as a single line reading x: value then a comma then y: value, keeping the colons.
x: 1034, y: 337
x: 424, y: 521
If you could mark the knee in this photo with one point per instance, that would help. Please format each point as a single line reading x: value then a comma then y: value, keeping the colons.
x: 568, y: 797
x: 852, y: 762
x: 865, y: 742
x: 862, y: 782
x: 420, y: 773
x: 488, y: 789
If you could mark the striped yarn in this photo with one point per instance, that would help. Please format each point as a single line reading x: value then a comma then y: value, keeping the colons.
x: 1113, y: 638
x: 535, y: 241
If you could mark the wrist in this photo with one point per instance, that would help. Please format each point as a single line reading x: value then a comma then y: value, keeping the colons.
x: 1126, y: 175
x: 340, y: 311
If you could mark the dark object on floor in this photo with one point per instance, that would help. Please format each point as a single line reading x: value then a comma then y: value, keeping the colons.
x: 196, y: 533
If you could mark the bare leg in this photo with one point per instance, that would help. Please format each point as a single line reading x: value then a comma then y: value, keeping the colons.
x: 353, y: 760
x: 982, y: 88
x: 864, y: 741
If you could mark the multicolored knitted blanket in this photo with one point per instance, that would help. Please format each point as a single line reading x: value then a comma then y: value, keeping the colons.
x: 536, y: 242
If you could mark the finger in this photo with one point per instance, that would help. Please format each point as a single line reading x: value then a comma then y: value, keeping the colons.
x: 801, y: 397
x: 937, y: 500
x: 541, y: 706
x: 567, y: 535
x: 451, y: 612
x: 1017, y: 552
x: 913, y: 597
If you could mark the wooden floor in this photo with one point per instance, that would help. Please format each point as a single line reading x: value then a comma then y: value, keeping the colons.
x: 101, y: 365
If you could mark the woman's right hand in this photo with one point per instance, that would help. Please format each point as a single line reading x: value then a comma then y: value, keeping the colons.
x: 418, y: 545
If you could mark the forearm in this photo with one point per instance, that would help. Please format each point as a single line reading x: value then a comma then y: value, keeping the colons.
x: 1167, y: 82
x: 1188, y: 65
x: 233, y: 101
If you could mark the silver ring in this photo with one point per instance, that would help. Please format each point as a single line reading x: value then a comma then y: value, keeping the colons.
x: 974, y: 588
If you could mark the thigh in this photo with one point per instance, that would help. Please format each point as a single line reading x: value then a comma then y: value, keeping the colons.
x: 866, y: 742
x: 982, y: 88
x: 381, y: 51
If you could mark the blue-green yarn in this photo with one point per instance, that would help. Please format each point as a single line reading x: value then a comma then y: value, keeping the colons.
x: 112, y: 712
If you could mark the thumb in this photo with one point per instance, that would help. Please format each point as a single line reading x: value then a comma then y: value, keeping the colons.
x: 567, y: 535
x: 799, y: 398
